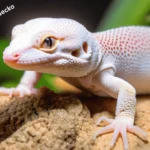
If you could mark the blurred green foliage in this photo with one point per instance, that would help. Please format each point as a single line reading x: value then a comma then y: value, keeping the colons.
x: 120, y: 13
x: 8, y: 77
x: 126, y: 12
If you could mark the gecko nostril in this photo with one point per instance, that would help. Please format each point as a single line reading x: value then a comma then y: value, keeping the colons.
x: 16, y: 55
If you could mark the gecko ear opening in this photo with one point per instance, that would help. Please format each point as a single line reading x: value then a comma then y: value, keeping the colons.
x: 85, y: 47
x: 76, y: 53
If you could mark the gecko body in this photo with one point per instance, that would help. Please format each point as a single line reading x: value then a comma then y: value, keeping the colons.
x: 111, y: 63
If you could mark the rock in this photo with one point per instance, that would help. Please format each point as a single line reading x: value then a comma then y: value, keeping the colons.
x: 51, y: 121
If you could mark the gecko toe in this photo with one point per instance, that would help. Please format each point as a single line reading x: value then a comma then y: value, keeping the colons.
x: 115, y: 135
x: 105, y: 119
x: 119, y: 126
x: 137, y: 131
x: 104, y: 130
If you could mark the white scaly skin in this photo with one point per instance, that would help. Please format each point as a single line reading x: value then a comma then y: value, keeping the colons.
x: 111, y: 63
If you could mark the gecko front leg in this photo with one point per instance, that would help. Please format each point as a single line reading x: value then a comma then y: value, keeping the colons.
x: 25, y: 87
x: 125, y: 110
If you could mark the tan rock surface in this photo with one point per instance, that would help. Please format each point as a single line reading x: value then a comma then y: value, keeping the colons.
x: 54, y: 122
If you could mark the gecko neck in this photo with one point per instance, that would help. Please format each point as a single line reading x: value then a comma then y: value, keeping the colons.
x: 96, y: 54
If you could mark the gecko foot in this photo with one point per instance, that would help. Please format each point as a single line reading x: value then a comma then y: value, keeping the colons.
x: 20, y: 90
x: 119, y: 126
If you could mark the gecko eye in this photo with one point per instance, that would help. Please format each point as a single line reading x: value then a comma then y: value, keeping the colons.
x: 48, y: 44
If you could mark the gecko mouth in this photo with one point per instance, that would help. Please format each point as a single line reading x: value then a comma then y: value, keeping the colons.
x: 25, y: 63
x: 22, y: 64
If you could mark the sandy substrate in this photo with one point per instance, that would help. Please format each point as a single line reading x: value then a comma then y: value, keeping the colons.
x: 55, y: 122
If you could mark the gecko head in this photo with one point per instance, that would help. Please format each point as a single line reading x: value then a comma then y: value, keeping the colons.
x: 61, y: 47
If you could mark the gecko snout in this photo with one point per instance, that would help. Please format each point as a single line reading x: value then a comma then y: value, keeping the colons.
x: 11, y: 58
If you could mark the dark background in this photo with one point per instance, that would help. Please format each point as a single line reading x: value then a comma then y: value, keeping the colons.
x: 86, y: 12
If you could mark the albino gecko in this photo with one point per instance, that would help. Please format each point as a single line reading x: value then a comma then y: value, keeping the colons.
x: 112, y: 63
